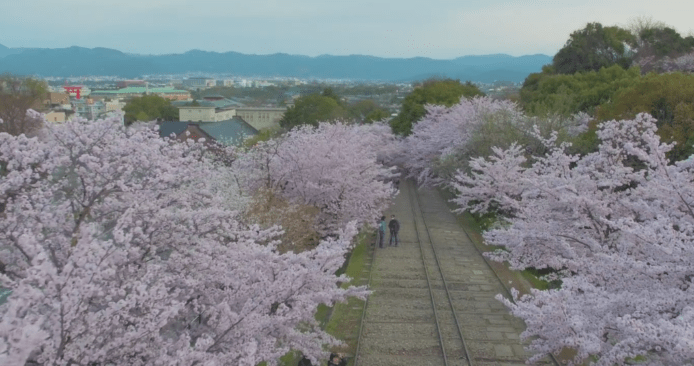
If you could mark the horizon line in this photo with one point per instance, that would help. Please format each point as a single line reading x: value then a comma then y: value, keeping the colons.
x: 271, y: 54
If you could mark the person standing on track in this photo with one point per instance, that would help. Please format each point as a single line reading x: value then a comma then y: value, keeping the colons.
x: 381, y: 231
x: 394, y: 227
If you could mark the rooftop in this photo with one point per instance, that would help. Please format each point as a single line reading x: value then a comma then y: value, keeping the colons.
x: 169, y: 127
x: 261, y: 108
x: 139, y: 90
x: 229, y: 132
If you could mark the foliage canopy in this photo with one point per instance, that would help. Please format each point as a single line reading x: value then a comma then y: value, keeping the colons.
x: 669, y: 98
x: 17, y: 95
x: 438, y: 92
x: 312, y: 109
x: 594, y: 47
x: 567, y: 94
x: 149, y: 107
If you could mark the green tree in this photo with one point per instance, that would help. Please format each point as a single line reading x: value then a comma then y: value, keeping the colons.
x: 376, y: 115
x: 665, y: 42
x: 149, y: 107
x: 548, y: 93
x: 17, y: 95
x: 637, y: 25
x: 667, y: 97
x: 439, y: 92
x: 142, y: 116
x: 330, y: 93
x: 311, y: 109
x: 366, y: 111
x: 595, y: 47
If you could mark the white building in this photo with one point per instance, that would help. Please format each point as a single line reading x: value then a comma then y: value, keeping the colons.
x: 55, y: 116
x: 199, y: 83
x: 204, y: 114
x: 261, y: 118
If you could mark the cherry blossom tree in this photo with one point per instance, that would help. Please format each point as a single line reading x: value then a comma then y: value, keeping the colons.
x: 121, y: 248
x: 333, y: 167
x: 617, y: 228
x: 447, y: 138
x: 442, y: 132
x: 665, y: 64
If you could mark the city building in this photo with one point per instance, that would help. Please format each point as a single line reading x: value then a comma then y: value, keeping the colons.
x: 261, y: 118
x: 126, y: 83
x: 56, y: 99
x: 262, y: 84
x: 138, y: 91
x: 199, y: 83
x: 88, y: 108
x: 204, y: 114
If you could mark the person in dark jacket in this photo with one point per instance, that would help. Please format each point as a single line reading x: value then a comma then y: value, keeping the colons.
x: 394, y: 227
x: 381, y: 231
x: 305, y: 362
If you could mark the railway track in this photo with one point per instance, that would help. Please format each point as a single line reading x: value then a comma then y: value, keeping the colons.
x: 455, y: 323
x: 416, y: 206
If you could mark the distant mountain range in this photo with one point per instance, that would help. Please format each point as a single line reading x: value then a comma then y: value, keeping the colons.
x: 79, y: 61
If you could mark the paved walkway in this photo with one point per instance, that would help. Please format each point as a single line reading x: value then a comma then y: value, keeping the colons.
x: 401, y: 324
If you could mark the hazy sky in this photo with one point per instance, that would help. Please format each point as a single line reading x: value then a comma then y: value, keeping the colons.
x: 441, y: 29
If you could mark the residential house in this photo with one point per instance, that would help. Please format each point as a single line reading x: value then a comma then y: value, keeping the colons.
x: 56, y: 99
x: 55, y: 116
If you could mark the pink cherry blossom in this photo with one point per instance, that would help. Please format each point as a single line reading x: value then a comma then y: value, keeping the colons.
x: 122, y: 248
x: 334, y: 167
x: 616, y: 226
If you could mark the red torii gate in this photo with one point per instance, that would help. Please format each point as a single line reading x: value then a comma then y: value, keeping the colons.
x: 73, y: 89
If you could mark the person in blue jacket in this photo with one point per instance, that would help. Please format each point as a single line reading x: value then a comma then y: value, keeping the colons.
x: 381, y: 231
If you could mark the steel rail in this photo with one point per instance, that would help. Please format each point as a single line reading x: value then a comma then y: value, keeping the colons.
x: 426, y: 271
x: 445, y: 284
x: 508, y: 292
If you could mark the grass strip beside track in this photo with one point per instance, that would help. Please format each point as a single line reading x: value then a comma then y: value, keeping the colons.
x: 345, y: 320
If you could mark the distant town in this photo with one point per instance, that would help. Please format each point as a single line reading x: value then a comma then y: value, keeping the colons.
x: 260, y: 102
